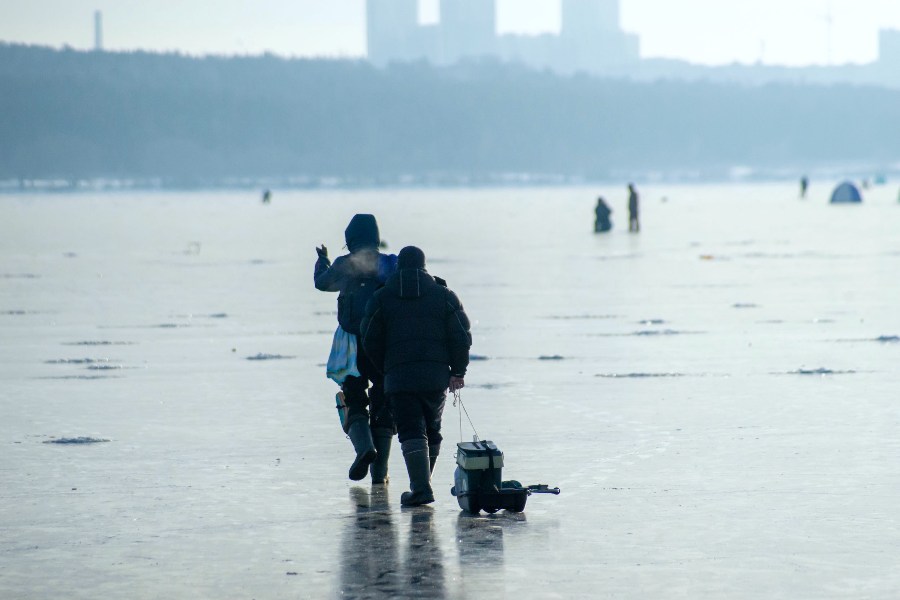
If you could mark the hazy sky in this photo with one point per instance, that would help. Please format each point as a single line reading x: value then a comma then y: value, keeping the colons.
x: 794, y: 32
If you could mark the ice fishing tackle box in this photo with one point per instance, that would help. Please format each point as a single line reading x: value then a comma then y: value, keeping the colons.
x: 479, y: 483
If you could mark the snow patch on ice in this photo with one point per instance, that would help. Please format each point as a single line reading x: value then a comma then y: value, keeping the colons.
x: 262, y: 356
x: 76, y: 440
x: 638, y: 375
x: 819, y: 371
x: 76, y: 361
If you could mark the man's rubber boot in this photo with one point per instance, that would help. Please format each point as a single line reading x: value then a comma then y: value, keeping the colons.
x: 379, y: 469
x: 415, y: 453
x: 361, y: 438
x: 433, y: 452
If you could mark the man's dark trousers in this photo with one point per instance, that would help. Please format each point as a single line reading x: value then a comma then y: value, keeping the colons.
x: 418, y: 415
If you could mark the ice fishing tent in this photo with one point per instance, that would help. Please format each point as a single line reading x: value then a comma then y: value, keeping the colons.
x: 846, y: 192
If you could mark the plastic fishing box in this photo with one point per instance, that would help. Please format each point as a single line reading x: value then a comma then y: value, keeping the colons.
x: 479, y: 481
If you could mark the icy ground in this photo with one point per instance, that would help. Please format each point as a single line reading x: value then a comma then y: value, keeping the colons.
x: 717, y: 397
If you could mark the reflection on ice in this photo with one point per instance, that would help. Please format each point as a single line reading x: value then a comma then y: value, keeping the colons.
x: 424, y: 560
x: 370, y: 551
x: 480, y: 539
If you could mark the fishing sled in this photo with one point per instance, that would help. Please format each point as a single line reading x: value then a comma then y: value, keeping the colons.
x: 479, y: 482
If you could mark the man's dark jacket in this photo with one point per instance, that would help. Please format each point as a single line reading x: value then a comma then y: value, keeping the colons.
x: 416, y: 332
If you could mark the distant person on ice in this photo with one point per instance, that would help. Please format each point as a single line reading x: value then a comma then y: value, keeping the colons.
x: 416, y: 331
x: 633, y: 209
x: 804, y: 185
x: 602, y: 212
x: 356, y: 276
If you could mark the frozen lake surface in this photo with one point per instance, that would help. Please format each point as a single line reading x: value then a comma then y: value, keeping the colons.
x: 721, y: 409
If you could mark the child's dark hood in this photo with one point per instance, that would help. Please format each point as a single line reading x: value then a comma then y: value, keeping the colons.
x: 362, y: 232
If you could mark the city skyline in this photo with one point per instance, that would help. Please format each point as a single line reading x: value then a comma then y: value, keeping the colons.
x: 590, y: 38
x: 789, y: 32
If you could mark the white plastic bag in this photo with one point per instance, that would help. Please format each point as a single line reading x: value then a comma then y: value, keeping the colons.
x: 342, y: 360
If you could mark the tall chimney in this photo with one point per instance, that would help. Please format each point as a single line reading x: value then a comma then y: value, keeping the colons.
x: 98, y: 31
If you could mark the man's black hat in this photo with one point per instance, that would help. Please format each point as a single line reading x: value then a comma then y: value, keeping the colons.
x: 411, y: 258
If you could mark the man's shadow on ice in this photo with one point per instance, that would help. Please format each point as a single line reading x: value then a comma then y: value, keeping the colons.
x: 370, y: 552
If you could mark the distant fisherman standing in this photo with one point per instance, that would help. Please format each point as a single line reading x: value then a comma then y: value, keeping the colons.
x: 356, y: 276
x: 633, y: 209
x: 416, y: 331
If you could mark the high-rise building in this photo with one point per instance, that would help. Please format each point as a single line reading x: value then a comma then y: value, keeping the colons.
x: 591, y: 39
x: 468, y: 29
x: 98, y: 31
x: 889, y: 48
x: 587, y: 18
x: 392, y: 30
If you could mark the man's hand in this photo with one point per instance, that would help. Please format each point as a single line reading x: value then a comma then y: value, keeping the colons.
x: 456, y: 383
x: 322, y: 251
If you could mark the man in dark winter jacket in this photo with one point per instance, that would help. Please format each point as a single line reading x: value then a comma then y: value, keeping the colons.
x: 356, y: 276
x: 416, y: 331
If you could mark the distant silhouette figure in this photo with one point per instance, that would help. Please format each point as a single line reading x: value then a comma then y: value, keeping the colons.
x: 267, y: 196
x: 602, y: 212
x: 804, y: 185
x: 633, y: 209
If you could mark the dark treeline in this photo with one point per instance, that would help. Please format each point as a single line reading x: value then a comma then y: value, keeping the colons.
x: 68, y: 114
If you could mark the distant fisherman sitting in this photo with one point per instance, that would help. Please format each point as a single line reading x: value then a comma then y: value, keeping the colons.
x: 356, y: 276
x: 416, y: 331
x: 602, y: 212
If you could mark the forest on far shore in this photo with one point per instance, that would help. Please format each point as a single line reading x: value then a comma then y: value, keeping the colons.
x: 80, y: 115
